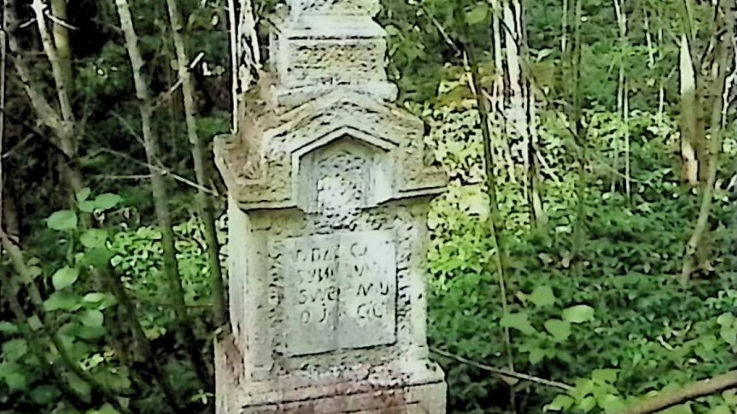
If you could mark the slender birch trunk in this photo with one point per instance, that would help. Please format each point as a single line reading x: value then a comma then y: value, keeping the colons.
x: 160, y: 196
x: 61, y: 41
x: 576, y: 117
x: 3, y: 50
x: 205, y: 203
x: 720, y: 94
x: 623, y: 96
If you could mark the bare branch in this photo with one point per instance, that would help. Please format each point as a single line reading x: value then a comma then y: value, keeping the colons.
x: 166, y: 172
x: 51, y: 52
x: 504, y: 372
x: 688, y: 393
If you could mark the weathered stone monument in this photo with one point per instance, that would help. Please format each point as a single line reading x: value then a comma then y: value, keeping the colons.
x: 327, y: 221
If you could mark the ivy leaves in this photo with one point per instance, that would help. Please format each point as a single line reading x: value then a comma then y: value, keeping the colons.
x: 67, y: 317
x: 62, y: 220
x: 543, y: 337
x: 65, y: 277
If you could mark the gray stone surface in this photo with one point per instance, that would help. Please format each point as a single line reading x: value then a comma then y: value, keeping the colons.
x: 328, y: 226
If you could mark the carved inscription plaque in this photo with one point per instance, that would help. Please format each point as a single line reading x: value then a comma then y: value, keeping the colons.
x: 340, y: 292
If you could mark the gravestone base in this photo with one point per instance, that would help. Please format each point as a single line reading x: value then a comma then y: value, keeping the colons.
x: 357, y: 397
x: 383, y: 389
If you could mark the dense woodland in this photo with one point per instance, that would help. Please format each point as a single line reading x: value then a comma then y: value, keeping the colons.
x: 583, y: 260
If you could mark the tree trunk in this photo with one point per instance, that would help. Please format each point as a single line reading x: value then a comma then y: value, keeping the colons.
x: 61, y: 41
x: 697, y: 242
x: 160, y: 196
x: 205, y: 203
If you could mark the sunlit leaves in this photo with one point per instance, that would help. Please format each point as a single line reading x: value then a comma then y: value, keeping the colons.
x: 560, y: 330
x: 106, y: 409
x: 542, y: 296
x: 478, y: 14
x: 519, y: 321
x: 560, y: 403
x: 83, y: 195
x: 62, y: 300
x: 65, y: 277
x: 14, y: 349
x: 578, y: 314
x: 62, y: 220
x: 103, y: 202
x: 8, y: 328
x: 728, y: 328
x: 93, y: 318
x: 93, y: 238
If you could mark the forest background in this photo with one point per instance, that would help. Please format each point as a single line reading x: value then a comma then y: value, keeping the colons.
x: 583, y: 259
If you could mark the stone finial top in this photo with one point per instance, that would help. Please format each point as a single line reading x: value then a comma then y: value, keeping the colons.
x: 323, y: 45
x: 300, y: 8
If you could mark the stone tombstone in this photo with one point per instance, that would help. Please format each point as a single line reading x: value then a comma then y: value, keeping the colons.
x: 328, y: 230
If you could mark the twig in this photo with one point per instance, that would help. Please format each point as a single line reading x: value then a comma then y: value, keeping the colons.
x: 60, y: 22
x: 165, y: 172
x: 125, y: 177
x: 130, y: 129
x: 688, y: 393
x: 165, y: 96
x: 504, y: 372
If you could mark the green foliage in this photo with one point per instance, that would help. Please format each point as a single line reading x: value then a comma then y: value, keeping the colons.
x: 614, y: 323
x: 611, y: 322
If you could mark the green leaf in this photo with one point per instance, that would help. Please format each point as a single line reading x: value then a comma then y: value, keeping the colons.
x: 578, y: 314
x: 65, y: 277
x: 611, y: 404
x: 35, y: 323
x: 518, y: 321
x: 81, y: 387
x: 477, y: 14
x: 107, y: 201
x: 93, y: 318
x: 98, y: 257
x: 62, y: 220
x: 587, y: 404
x: 105, y: 409
x: 722, y: 409
x: 45, y: 394
x: 94, y: 238
x: 87, y: 206
x: 726, y: 319
x: 8, y: 328
x: 94, y: 297
x: 536, y: 355
x: 14, y: 349
x: 560, y: 330
x: 16, y: 381
x: 83, y: 195
x: 729, y: 334
x: 89, y: 333
x: 605, y: 376
x: 63, y: 409
x: 62, y: 300
x: 679, y: 409
x: 560, y: 403
x: 542, y: 296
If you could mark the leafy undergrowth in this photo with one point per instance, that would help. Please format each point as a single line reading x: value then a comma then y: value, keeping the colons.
x: 612, y: 321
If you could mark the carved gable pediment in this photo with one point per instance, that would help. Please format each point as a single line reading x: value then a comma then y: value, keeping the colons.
x: 385, y: 141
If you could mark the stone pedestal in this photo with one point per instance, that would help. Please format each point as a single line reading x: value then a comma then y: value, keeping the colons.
x: 327, y: 232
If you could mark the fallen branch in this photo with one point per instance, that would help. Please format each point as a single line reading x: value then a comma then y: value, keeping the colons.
x: 688, y: 393
x: 504, y: 372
